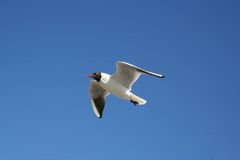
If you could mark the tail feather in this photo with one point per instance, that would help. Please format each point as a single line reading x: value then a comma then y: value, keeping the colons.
x: 137, y: 99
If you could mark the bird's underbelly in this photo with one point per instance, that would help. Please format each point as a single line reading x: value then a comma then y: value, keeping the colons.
x: 117, y: 89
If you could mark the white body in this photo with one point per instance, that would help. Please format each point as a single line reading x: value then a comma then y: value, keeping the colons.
x: 114, y: 87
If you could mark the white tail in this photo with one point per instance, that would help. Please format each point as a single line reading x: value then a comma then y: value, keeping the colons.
x: 137, y: 99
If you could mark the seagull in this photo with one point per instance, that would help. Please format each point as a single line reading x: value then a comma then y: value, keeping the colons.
x: 119, y: 84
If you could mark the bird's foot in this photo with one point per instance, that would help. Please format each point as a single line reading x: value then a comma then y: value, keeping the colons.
x: 134, y: 102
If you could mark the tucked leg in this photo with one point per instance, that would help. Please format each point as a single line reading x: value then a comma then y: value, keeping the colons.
x: 134, y: 102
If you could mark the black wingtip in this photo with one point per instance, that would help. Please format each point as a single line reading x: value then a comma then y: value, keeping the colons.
x: 162, y: 76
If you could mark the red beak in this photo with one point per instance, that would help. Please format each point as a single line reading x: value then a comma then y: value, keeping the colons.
x: 91, y: 76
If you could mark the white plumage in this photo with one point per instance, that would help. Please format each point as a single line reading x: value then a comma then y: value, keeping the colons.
x: 118, y: 84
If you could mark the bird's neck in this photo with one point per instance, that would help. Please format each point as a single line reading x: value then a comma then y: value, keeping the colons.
x: 105, y: 77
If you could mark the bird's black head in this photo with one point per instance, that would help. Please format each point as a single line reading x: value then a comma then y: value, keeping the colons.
x: 97, y: 76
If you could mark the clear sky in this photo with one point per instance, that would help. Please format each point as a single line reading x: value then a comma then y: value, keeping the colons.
x: 48, y: 47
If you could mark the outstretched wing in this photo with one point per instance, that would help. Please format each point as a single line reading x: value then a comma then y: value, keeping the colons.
x: 97, y: 95
x: 127, y: 73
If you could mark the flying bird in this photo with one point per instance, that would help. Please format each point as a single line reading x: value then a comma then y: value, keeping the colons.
x: 118, y: 84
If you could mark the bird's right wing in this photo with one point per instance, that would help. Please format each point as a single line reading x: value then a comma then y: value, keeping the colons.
x: 127, y: 73
x: 97, y: 95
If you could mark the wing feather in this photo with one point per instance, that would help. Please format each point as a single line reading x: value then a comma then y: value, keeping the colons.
x: 97, y: 94
x: 127, y: 73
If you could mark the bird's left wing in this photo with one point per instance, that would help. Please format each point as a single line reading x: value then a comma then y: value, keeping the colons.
x: 97, y: 95
x: 127, y: 73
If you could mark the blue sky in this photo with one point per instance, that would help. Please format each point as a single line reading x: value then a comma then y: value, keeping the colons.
x: 48, y: 47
